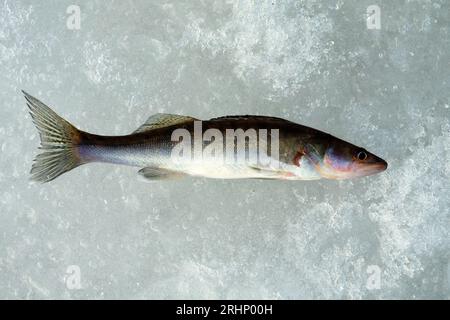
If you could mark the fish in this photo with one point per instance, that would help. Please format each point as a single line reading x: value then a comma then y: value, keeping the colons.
x: 169, y: 146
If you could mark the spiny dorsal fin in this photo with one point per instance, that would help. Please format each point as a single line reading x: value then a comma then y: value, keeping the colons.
x: 161, y: 120
x: 249, y: 117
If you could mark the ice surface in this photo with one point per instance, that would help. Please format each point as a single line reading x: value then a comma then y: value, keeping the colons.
x: 312, y: 62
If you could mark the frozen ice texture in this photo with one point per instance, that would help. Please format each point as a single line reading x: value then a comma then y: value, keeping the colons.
x: 312, y: 62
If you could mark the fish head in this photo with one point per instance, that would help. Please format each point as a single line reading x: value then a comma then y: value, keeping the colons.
x: 342, y: 160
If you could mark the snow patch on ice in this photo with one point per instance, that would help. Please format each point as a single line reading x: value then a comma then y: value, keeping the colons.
x: 278, y: 43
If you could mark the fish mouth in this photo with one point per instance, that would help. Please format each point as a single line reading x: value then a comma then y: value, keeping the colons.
x: 381, y: 164
x: 377, y: 166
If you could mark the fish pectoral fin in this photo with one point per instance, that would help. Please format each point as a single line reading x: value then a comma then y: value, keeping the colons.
x: 161, y: 120
x: 154, y: 174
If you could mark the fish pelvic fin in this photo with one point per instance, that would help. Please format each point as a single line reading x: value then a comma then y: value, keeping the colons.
x: 59, y: 142
x: 158, y: 174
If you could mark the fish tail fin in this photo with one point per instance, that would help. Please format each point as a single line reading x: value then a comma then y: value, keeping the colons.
x: 59, y: 142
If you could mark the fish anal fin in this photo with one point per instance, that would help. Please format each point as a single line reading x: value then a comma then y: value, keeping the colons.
x: 157, y: 174
x: 161, y: 120
x: 270, y: 173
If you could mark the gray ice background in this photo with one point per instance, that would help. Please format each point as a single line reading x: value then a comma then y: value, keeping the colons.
x: 313, y: 62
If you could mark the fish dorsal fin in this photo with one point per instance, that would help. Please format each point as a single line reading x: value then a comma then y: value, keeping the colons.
x: 161, y: 120
x: 249, y: 117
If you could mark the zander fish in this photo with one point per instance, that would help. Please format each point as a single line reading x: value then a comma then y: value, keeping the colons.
x: 296, y: 152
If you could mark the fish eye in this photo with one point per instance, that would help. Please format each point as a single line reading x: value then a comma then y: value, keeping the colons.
x: 361, y: 156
